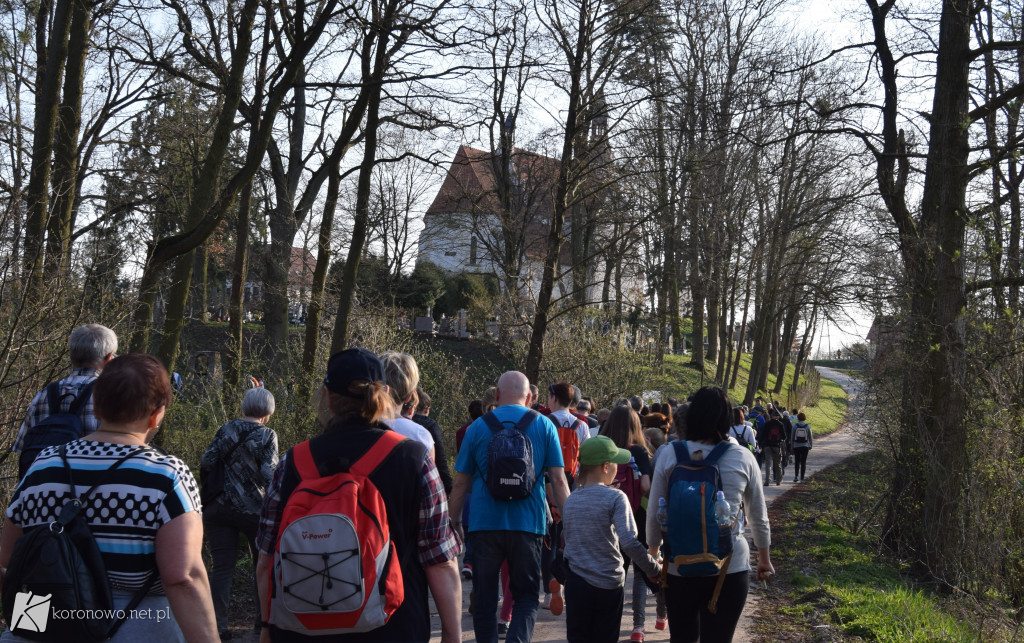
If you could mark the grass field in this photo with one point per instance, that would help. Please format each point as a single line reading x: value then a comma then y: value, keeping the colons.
x: 835, y: 585
x: 679, y: 379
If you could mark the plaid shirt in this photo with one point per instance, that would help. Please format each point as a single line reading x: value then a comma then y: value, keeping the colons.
x: 39, y: 408
x: 436, y: 541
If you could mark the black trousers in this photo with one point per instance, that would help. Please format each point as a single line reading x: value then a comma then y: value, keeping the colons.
x: 592, y: 614
x: 801, y: 461
x: 689, y: 619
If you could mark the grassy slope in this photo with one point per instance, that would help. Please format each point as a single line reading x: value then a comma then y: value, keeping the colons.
x: 833, y: 583
x: 679, y: 379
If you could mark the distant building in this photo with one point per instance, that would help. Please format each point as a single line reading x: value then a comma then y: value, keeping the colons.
x: 466, y: 227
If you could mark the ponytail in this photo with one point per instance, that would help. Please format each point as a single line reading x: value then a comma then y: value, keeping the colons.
x: 370, y: 400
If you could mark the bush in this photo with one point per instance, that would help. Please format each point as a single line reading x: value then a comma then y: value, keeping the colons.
x: 580, y: 352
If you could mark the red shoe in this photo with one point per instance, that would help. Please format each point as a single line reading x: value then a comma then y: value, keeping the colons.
x: 557, y: 603
x: 638, y: 635
x: 661, y: 623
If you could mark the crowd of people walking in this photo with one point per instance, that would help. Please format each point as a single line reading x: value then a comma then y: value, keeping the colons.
x: 549, y: 503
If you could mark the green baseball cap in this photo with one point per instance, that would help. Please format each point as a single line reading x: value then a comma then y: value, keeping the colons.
x: 600, y: 449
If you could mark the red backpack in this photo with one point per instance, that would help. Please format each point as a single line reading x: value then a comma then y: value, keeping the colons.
x: 335, y: 568
x: 627, y: 478
x: 570, y: 443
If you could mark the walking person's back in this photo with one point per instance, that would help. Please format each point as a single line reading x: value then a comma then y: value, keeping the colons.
x: 599, y: 529
x: 63, y: 411
x: 502, y: 528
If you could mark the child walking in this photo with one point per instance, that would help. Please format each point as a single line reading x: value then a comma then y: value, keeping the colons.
x: 598, y: 523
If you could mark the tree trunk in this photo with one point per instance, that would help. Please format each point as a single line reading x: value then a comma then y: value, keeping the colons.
x: 724, y: 330
x: 170, y: 343
x: 805, y: 344
x: 939, y: 302
x: 46, y: 106
x: 198, y: 298
x: 742, y: 338
x: 142, y: 319
x: 554, y: 242
x: 933, y: 438
x: 208, y: 205
x: 346, y: 298
x: 65, y: 145
x: 316, y: 295
x: 785, y: 345
x: 697, y: 294
x: 236, y: 312
x: 276, y: 271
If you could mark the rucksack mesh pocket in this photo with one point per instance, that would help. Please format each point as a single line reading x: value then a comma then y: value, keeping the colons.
x: 321, y: 565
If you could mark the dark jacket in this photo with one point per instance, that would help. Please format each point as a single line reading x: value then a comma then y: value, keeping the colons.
x: 440, y: 454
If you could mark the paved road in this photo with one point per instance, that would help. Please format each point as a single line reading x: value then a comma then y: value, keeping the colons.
x: 835, y: 448
x: 826, y: 452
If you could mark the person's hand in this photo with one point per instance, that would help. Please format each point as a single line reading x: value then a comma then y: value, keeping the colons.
x: 653, y: 551
x: 765, y: 571
x: 556, y: 515
x: 657, y: 577
x: 265, y: 635
x: 458, y: 529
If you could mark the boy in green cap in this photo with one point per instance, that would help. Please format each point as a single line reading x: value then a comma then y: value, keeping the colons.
x: 598, y: 526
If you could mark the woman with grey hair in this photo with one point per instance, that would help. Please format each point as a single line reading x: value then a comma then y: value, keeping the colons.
x: 236, y: 470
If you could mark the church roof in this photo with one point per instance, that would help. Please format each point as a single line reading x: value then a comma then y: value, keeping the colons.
x: 470, y: 185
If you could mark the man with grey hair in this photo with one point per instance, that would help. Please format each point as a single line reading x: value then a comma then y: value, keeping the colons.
x: 502, y: 529
x: 90, y: 347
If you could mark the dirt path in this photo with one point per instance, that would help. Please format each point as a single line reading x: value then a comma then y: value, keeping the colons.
x: 826, y: 452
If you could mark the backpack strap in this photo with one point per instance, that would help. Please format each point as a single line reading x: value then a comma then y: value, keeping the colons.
x: 306, y: 467
x: 53, y: 397
x: 713, y: 603
x: 682, y: 452
x: 380, y: 450
x: 527, y: 419
x: 492, y: 421
x: 71, y: 508
x: 242, y: 439
x: 83, y: 396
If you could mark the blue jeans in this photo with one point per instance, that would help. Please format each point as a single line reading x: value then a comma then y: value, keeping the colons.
x: 522, y: 551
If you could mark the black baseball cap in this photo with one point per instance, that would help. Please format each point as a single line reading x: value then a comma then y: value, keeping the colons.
x: 349, y: 365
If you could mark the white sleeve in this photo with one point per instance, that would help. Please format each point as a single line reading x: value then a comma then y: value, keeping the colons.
x: 582, y: 430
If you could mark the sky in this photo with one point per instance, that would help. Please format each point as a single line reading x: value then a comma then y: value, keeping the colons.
x: 836, y: 23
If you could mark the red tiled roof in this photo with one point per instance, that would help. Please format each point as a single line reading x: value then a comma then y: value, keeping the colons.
x: 470, y: 183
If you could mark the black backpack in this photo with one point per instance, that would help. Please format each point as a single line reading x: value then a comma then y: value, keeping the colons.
x: 212, y: 478
x: 741, y: 438
x: 775, y: 433
x: 510, y: 472
x: 56, y: 428
x: 59, y: 567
